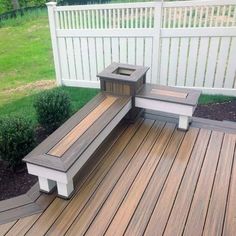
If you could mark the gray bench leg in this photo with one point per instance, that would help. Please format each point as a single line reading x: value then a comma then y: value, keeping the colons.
x: 46, y: 185
x: 65, y: 190
x: 183, y: 122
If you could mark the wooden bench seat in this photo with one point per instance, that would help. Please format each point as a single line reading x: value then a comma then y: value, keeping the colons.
x: 181, y: 102
x: 57, y: 159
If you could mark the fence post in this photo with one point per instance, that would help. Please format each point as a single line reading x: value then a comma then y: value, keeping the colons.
x: 156, y: 43
x: 52, y: 23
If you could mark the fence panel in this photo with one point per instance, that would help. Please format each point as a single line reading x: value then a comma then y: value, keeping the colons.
x: 185, y: 43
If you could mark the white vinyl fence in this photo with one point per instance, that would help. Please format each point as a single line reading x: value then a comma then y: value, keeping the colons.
x: 185, y: 43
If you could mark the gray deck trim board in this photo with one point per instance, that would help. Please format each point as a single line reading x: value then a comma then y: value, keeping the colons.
x: 191, y: 99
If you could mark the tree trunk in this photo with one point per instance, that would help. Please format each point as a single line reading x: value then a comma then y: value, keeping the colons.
x: 15, y: 4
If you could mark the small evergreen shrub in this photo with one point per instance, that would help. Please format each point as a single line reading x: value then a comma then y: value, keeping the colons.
x: 53, y: 107
x: 17, y: 139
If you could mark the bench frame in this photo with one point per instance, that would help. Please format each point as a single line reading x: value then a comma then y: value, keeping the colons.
x: 50, y: 178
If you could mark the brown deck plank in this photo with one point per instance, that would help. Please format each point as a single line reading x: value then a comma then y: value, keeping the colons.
x: 142, y: 214
x: 65, y: 143
x: 119, y: 191
x: 23, y: 225
x: 117, y: 169
x: 198, y: 210
x: 183, y: 199
x: 230, y: 215
x: 216, y: 210
x: 150, y: 164
x: 185, y: 149
x: 126, y: 210
x: 4, y: 228
x: 169, y: 93
x: 62, y: 222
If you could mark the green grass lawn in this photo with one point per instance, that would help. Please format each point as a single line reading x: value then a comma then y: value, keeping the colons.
x: 26, y: 67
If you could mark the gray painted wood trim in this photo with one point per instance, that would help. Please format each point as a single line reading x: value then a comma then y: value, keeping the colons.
x: 192, y: 98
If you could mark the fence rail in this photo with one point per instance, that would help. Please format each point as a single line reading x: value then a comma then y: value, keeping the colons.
x: 190, y: 43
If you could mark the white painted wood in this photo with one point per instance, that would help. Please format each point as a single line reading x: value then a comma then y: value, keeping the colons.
x: 183, y: 60
x: 65, y: 190
x: 107, y: 51
x: 222, y: 62
x: 115, y: 49
x: 131, y: 51
x: 78, y: 59
x: 164, y: 106
x: 106, y: 33
x: 231, y: 67
x: 183, y: 122
x: 199, y: 32
x: 71, y: 58
x: 192, y: 61
x: 46, y: 185
x: 139, y: 52
x: 85, y: 57
x: 100, y: 54
x: 123, y: 50
x: 211, y: 62
x: 93, y: 59
x: 148, y: 58
x: 63, y: 59
x: 201, y: 62
x: 164, y: 61
x: 174, y: 54
x: 51, y: 17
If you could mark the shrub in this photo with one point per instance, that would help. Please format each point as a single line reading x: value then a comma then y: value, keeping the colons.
x: 53, y: 107
x: 17, y: 138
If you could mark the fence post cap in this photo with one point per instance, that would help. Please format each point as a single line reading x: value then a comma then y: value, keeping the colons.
x: 49, y: 4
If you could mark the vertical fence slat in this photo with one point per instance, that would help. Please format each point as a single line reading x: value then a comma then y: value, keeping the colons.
x: 164, y: 60
x: 131, y: 51
x: 78, y: 59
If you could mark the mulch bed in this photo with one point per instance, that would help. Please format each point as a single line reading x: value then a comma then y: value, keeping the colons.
x: 14, y: 184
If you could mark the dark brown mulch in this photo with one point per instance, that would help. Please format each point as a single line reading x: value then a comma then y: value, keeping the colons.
x: 13, y: 184
x: 217, y: 111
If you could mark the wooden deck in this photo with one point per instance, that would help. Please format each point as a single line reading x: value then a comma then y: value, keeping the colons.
x: 148, y: 178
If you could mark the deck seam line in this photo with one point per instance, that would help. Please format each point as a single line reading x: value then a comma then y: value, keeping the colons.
x: 213, y: 183
x: 151, y: 146
x: 81, y: 184
x: 104, y: 178
x: 10, y: 228
x: 197, y: 183
x: 154, y: 173
x: 229, y: 188
x: 136, y: 130
x: 167, y: 178
x: 183, y: 178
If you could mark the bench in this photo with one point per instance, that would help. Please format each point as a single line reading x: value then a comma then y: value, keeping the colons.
x: 59, y: 158
x: 178, y: 101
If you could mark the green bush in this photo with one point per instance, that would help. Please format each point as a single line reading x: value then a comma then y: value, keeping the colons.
x: 53, y: 107
x: 17, y: 138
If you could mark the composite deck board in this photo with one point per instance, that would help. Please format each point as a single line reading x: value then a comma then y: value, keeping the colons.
x: 114, y: 174
x: 216, y: 210
x: 175, y: 225
x: 65, y: 143
x: 230, y: 215
x: 124, y: 213
x: 63, y: 220
x: 78, y: 202
x: 122, y: 186
x: 172, y: 148
x: 169, y: 93
x: 4, y: 228
x: 163, y: 206
x: 199, y: 206
x: 141, y: 216
x: 145, y: 178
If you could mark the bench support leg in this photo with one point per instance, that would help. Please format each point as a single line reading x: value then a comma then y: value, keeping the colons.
x: 183, y: 122
x: 65, y: 190
x: 46, y: 185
